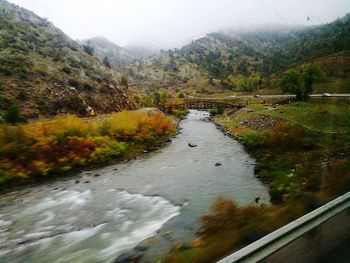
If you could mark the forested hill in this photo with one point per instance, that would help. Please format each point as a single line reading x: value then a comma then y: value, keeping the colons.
x: 44, y: 72
x: 313, y: 43
x: 268, y: 50
x: 260, y: 54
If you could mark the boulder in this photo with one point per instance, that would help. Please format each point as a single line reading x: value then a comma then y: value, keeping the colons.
x: 133, y: 256
x: 150, y: 111
x: 141, y: 247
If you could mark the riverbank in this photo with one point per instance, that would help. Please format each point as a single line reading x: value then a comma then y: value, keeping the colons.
x: 48, y: 148
x: 291, y: 149
x: 157, y: 199
x: 303, y: 161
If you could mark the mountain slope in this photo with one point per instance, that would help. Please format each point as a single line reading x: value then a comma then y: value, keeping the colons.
x: 267, y: 51
x: 246, y: 60
x: 117, y: 55
x: 164, y: 70
x: 44, y: 72
x: 312, y: 43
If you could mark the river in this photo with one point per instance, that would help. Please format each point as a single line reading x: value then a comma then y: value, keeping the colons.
x: 156, y: 199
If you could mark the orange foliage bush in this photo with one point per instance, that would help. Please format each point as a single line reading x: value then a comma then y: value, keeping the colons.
x: 291, y: 137
x: 140, y: 127
x: 54, y: 146
x: 227, y: 215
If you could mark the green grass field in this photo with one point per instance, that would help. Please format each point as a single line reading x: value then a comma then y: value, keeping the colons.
x: 324, y: 115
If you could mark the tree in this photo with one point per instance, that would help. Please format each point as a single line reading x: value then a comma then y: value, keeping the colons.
x: 106, y: 62
x: 88, y: 49
x: 229, y: 67
x: 301, y: 84
x: 172, y: 64
x: 147, y: 101
x: 163, y: 96
x: 242, y: 68
x: 124, y: 81
x: 291, y: 83
x: 311, y: 74
x: 156, y: 98
x: 12, y: 115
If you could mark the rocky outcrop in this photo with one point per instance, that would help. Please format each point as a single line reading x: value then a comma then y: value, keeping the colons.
x: 261, y: 122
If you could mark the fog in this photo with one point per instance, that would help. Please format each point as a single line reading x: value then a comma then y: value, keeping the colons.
x: 172, y: 23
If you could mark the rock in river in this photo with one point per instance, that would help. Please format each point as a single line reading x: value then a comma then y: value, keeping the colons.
x: 129, y: 257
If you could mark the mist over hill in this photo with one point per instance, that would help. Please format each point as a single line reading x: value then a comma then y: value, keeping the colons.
x: 117, y: 55
x: 247, y: 59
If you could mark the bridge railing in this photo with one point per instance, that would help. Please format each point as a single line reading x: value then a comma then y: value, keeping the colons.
x: 200, y: 104
x: 307, y: 239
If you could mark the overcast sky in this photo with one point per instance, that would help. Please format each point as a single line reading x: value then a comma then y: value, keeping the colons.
x: 172, y: 23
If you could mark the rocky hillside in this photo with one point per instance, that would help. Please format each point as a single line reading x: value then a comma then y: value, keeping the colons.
x: 44, y: 72
x: 164, y: 70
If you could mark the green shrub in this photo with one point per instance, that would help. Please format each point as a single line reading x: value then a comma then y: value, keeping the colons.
x: 181, y: 113
x: 89, y: 50
x: 254, y: 139
x: 217, y: 110
x: 12, y: 115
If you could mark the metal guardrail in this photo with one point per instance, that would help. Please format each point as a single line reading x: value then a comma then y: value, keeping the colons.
x: 270, y: 244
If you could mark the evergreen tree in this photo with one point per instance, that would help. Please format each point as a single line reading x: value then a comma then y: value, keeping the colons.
x: 88, y: 49
x: 124, y: 81
x: 106, y: 62
x: 12, y: 115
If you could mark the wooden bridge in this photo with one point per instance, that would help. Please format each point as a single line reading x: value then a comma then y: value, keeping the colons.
x: 200, y: 104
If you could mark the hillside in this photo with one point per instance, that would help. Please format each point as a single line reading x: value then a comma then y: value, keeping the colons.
x: 247, y: 60
x: 44, y: 72
x: 102, y: 47
x: 312, y: 43
x: 164, y: 70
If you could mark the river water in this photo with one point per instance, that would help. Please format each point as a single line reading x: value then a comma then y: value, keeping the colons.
x: 156, y: 200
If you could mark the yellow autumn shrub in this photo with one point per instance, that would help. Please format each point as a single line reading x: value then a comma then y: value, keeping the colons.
x: 53, y: 146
